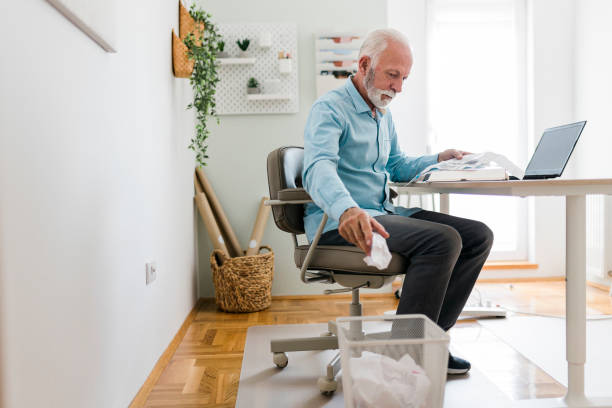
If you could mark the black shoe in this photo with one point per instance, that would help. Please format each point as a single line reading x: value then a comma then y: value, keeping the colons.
x: 457, y: 365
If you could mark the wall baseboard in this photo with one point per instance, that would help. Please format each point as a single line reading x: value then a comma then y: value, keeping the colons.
x: 605, y: 288
x: 141, y: 397
x: 523, y: 279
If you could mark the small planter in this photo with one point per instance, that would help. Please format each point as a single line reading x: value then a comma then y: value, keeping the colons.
x: 222, y: 54
x: 253, y: 91
x: 188, y: 25
x: 181, y: 64
x: 244, y: 54
x: 284, y: 66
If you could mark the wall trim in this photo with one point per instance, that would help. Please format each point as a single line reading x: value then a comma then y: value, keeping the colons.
x: 603, y: 287
x: 141, y: 397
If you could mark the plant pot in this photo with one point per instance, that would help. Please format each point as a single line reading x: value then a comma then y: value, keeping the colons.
x: 252, y: 91
x: 188, y: 25
x: 222, y: 54
x: 284, y: 65
x: 244, y: 54
x: 181, y: 64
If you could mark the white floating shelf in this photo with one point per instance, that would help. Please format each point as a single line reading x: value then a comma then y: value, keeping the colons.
x: 265, y: 97
x: 236, y: 61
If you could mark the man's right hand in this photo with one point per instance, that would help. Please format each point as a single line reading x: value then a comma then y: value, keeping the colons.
x: 356, y: 226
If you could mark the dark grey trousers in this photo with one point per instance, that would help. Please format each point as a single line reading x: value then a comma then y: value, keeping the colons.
x: 445, y: 254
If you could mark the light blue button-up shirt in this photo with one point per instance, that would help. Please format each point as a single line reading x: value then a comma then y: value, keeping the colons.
x: 349, y: 156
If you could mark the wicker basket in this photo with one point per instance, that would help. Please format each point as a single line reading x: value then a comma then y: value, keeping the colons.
x: 181, y: 64
x: 244, y: 283
x: 188, y: 25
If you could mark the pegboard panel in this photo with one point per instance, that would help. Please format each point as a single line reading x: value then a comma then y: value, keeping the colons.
x: 231, y: 95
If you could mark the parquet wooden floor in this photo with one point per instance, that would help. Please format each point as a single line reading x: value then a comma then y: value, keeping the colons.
x: 205, y: 369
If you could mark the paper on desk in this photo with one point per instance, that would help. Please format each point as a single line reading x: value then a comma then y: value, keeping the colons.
x: 379, y: 255
x: 471, y: 162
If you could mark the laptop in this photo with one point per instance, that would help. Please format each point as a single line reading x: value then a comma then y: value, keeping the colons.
x: 553, y: 151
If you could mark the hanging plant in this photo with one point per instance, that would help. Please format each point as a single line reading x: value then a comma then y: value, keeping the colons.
x: 203, y: 46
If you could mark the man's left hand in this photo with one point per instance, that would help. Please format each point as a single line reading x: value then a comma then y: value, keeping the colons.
x: 451, y: 154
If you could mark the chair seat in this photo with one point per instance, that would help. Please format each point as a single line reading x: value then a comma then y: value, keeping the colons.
x: 349, y: 259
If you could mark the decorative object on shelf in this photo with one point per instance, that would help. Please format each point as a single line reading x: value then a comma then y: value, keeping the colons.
x: 220, y: 50
x: 181, y: 64
x: 265, y: 40
x: 244, y: 46
x: 202, y: 46
x: 253, y: 86
x: 284, y: 62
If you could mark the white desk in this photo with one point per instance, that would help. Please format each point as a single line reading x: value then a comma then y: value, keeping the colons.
x: 574, y: 192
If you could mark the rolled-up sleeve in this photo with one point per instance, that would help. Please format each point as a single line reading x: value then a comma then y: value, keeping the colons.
x: 322, y: 135
x: 402, y: 167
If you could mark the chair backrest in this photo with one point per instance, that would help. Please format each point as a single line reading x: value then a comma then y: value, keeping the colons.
x: 285, y: 166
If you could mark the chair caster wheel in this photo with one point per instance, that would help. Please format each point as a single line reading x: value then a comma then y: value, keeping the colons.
x: 327, y: 386
x: 280, y: 359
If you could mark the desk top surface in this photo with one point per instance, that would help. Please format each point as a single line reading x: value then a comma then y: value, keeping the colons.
x: 554, y: 187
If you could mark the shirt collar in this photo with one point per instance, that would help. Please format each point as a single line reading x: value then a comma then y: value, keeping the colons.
x: 360, y: 105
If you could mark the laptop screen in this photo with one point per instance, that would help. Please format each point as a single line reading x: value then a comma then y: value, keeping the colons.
x: 554, y: 150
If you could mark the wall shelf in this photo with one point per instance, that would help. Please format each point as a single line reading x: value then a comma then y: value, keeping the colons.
x: 267, y: 97
x: 236, y: 61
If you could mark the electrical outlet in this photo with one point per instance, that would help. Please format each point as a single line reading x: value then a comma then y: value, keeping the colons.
x: 151, y: 272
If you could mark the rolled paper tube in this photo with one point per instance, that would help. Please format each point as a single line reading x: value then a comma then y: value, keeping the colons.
x: 223, y: 222
x: 211, y: 225
x: 259, y: 227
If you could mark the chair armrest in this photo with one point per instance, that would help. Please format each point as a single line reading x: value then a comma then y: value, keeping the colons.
x: 293, y: 194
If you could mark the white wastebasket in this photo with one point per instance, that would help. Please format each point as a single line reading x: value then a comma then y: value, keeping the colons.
x: 378, y: 338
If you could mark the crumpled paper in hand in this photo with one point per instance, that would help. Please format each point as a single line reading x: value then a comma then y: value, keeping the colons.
x: 380, y: 381
x: 379, y: 255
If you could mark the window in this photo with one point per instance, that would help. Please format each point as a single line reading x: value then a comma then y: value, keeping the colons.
x: 477, y: 101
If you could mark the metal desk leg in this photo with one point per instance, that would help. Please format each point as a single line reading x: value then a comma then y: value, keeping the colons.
x: 575, y: 297
x: 444, y: 205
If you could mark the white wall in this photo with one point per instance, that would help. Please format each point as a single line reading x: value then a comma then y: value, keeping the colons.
x: 95, y: 179
x: 593, y: 86
x: 594, y: 90
x: 550, y: 102
x: 240, y: 144
x: 410, y: 107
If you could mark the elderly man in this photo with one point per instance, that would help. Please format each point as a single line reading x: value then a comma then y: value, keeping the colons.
x: 351, y: 152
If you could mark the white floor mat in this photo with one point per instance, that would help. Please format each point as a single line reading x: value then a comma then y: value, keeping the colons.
x: 264, y: 385
x: 542, y: 340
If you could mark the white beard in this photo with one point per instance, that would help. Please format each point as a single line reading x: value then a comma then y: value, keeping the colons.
x: 376, y: 94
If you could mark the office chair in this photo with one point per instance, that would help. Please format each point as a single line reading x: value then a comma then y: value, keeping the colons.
x: 329, y: 264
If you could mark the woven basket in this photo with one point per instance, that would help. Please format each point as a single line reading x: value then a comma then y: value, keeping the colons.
x: 181, y: 64
x: 244, y: 283
x: 188, y: 25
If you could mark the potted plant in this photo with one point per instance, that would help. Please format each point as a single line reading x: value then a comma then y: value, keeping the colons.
x: 220, y: 48
x: 253, y: 86
x: 244, y: 45
x: 202, y: 46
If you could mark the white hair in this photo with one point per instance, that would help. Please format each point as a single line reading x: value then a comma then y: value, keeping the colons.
x: 377, y: 41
